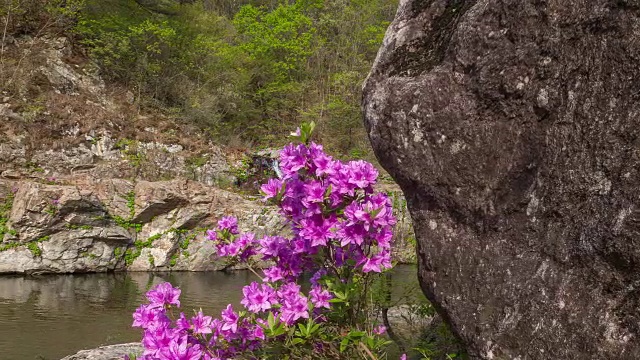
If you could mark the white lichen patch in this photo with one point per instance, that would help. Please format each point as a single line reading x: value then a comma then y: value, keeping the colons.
x: 561, y: 304
x: 622, y: 215
x: 458, y: 146
x: 543, y: 98
x: 488, y: 353
x: 417, y: 134
x: 542, y: 269
x: 433, y: 225
x: 613, y: 332
x: 532, y: 207
x: 404, y: 142
x: 602, y: 185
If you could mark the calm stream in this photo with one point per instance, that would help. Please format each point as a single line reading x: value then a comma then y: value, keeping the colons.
x: 49, y: 317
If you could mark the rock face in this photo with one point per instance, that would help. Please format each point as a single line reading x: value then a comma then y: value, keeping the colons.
x: 84, y: 224
x: 90, y: 225
x: 512, y: 128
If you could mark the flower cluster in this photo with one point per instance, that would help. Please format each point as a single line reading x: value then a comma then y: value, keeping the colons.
x: 333, y: 210
x: 341, y: 229
x: 196, y: 338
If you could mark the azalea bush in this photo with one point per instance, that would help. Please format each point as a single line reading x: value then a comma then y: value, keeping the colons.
x: 314, y: 301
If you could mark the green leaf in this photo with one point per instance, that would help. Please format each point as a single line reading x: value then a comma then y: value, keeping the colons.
x: 271, y: 321
x: 343, y: 344
x: 356, y: 335
x: 374, y: 213
x: 314, y: 328
x: 371, y: 343
x: 303, y: 330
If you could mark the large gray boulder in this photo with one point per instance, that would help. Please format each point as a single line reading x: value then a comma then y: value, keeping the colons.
x: 513, y: 128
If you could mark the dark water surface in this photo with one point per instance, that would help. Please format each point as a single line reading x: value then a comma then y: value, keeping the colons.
x: 49, y: 317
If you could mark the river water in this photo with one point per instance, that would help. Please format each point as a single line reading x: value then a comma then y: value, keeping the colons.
x: 49, y: 317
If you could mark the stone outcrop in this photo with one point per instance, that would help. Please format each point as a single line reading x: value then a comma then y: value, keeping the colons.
x: 90, y: 225
x: 99, y: 154
x: 512, y: 128
x: 110, y: 352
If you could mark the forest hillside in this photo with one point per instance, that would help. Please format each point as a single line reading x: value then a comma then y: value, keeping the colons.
x: 239, y: 73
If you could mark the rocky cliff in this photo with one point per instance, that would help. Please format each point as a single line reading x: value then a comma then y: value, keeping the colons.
x: 115, y: 224
x: 99, y: 225
x: 512, y: 128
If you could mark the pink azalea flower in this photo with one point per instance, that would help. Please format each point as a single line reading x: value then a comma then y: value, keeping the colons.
x: 163, y: 294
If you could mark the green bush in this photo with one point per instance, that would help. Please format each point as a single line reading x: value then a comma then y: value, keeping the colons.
x: 38, y: 16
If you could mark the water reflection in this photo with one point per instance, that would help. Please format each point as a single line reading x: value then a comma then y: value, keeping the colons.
x: 49, y: 317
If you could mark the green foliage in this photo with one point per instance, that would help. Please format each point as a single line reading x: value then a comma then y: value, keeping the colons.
x: 246, y: 70
x: 127, y: 223
x: 34, y: 248
x: 187, y: 237
x: 9, y: 245
x: 280, y: 39
x: 173, y: 260
x: 5, y: 210
x: 304, y: 132
x: 131, y: 151
x: 131, y: 203
x: 153, y: 238
x: 278, y: 42
x: 182, y: 60
x: 38, y: 16
x: 32, y: 166
x: 133, y: 253
x: 435, y: 341
x: 242, y: 171
x: 76, y: 227
x: 195, y: 162
x: 438, y: 342
x: 43, y: 238
x: 51, y: 209
x: 184, y: 244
